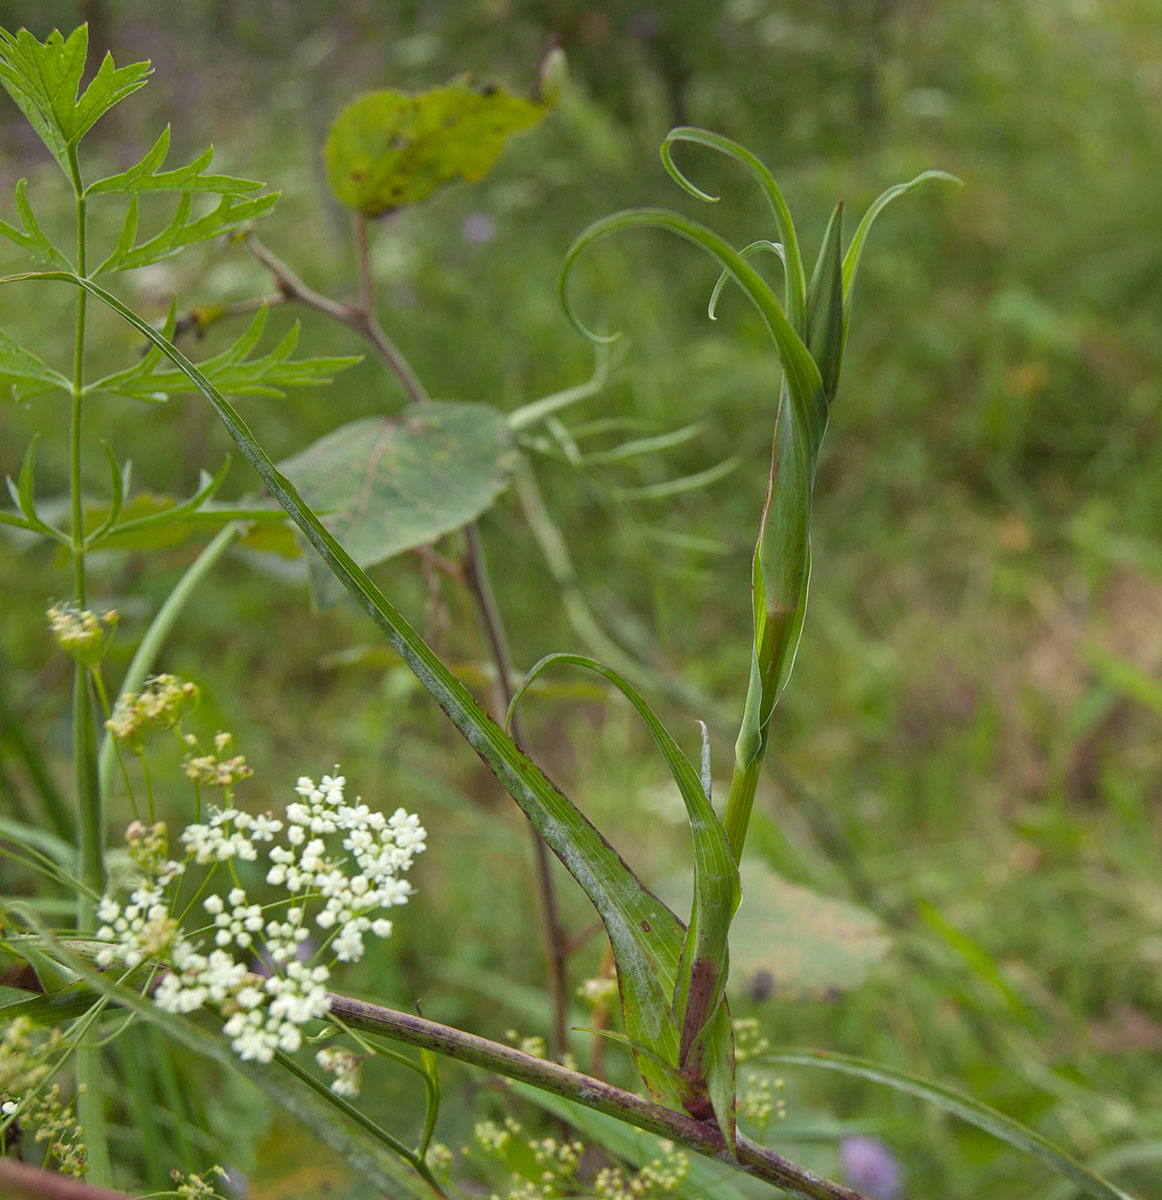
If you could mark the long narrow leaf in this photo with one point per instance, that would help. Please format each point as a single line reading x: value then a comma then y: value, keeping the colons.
x: 796, y: 278
x: 682, y: 485
x: 973, y: 1111
x: 802, y: 373
x: 750, y: 251
x: 540, y: 410
x: 855, y: 250
x: 697, y: 992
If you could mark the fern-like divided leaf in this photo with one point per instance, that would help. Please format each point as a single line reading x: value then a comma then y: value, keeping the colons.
x: 233, y: 372
x: 235, y: 206
x: 146, y: 176
x: 25, y: 373
x: 44, y: 78
x: 185, y: 229
x: 31, y: 238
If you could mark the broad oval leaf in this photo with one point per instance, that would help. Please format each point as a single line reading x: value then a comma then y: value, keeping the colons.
x: 388, y: 484
x: 791, y: 943
x: 389, y: 148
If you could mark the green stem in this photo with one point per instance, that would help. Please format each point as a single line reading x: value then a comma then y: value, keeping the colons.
x: 90, y: 825
x: 90, y: 848
x: 90, y: 819
x: 357, y: 1117
x: 743, y: 783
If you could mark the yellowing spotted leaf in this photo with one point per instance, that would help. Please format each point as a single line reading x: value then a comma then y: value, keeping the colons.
x: 388, y: 148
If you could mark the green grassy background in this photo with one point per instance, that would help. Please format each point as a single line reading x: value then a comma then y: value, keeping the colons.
x: 970, y: 743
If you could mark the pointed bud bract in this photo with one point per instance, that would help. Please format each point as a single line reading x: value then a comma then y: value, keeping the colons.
x: 552, y: 75
x: 825, y: 306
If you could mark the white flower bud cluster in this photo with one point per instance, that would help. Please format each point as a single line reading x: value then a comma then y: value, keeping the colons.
x: 345, y: 892
x: 599, y: 992
x: 554, y: 1163
x: 756, y: 1102
x: 663, y: 1176
x: 749, y: 1040
x: 161, y: 705
x: 347, y: 1066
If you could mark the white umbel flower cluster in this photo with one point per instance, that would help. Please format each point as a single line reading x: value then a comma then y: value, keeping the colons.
x: 340, y: 866
x: 143, y: 928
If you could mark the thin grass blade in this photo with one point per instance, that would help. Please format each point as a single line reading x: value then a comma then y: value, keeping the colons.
x: 1021, y: 1137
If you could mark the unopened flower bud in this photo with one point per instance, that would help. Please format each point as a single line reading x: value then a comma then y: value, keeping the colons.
x: 81, y: 633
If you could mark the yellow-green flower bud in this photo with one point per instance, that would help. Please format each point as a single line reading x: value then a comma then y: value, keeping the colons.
x: 81, y: 633
x: 163, y: 703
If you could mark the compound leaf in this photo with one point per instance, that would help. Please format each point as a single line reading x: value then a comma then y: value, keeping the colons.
x: 183, y: 230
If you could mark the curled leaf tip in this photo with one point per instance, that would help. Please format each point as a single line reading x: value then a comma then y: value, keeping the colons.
x: 775, y: 248
x: 676, y: 173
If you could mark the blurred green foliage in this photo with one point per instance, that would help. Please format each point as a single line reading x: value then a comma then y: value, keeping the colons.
x: 987, y: 508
